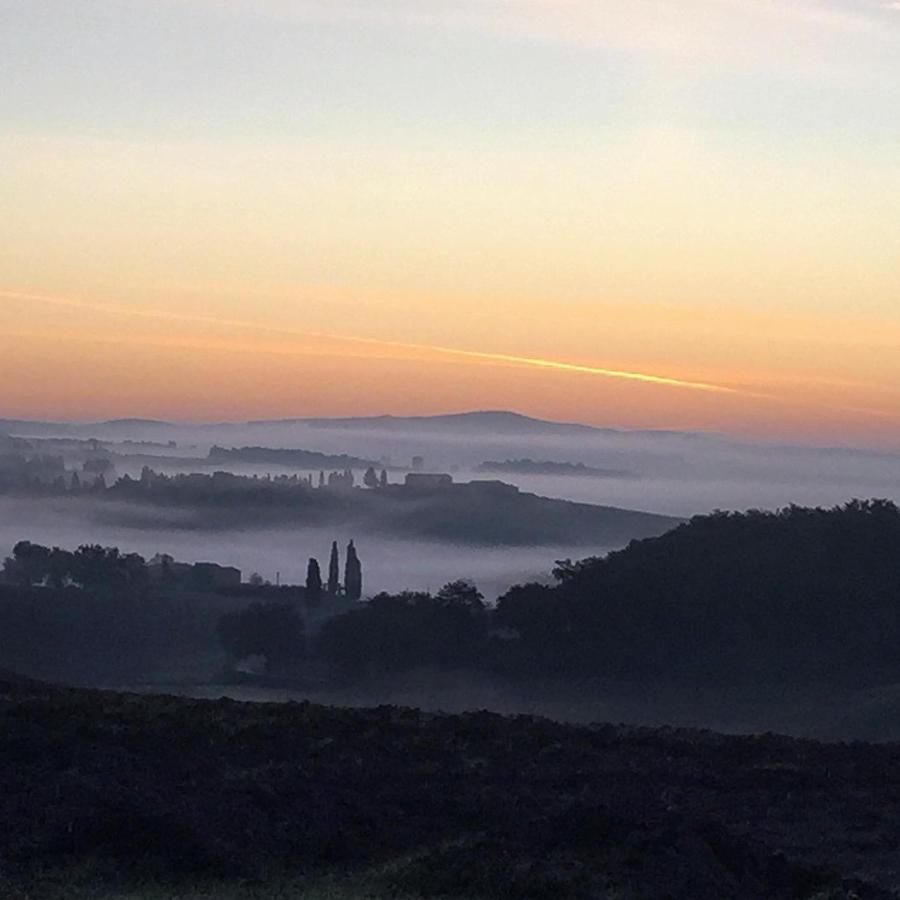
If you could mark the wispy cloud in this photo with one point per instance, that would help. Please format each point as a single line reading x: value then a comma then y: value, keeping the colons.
x: 355, y: 344
x: 451, y: 352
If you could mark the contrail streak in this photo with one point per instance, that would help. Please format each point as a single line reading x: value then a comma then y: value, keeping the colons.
x: 484, y: 356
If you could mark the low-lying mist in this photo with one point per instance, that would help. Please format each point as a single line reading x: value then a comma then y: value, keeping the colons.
x: 389, y: 564
x: 671, y: 473
x: 675, y: 473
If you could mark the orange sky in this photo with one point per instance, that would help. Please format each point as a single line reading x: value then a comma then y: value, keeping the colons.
x: 74, y: 359
x: 636, y: 214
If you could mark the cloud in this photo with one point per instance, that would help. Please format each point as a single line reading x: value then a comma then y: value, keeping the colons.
x: 449, y: 352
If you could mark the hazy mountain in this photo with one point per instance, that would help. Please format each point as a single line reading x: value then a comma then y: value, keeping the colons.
x: 481, y: 421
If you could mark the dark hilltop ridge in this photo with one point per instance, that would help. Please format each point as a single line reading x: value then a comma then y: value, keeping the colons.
x: 426, y: 507
x: 495, y: 421
x: 500, y: 422
x: 550, y: 467
x: 106, y: 794
x: 473, y: 513
x: 292, y: 458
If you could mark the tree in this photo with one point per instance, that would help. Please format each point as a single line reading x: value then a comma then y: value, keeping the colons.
x: 370, y: 479
x: 461, y: 593
x: 272, y: 630
x: 383, y: 482
x: 31, y: 563
x: 313, y: 581
x: 256, y: 580
x: 353, y: 574
x: 334, y: 571
x: 59, y: 567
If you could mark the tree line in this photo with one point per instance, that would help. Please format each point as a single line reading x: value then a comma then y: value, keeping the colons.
x: 809, y: 594
x: 798, y: 594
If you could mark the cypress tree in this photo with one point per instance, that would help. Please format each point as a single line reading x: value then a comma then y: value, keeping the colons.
x: 383, y: 482
x: 333, y: 570
x: 353, y: 574
x: 313, y: 582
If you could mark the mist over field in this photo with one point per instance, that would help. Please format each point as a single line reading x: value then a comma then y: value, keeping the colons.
x: 674, y: 473
x: 678, y: 473
x: 389, y: 564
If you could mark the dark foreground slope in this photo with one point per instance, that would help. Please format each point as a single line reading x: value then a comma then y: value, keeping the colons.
x: 118, y: 790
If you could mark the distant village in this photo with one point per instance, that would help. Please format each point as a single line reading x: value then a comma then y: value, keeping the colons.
x: 94, y: 469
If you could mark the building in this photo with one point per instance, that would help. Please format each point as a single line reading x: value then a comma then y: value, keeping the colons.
x: 203, y: 577
x: 424, y: 481
x: 211, y: 576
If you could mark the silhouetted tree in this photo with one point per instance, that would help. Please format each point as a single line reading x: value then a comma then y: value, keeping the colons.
x: 272, y: 630
x: 461, y: 593
x: 334, y: 570
x: 313, y: 581
x: 352, y: 574
x: 370, y: 479
x: 383, y: 481
x: 400, y: 632
x: 30, y: 563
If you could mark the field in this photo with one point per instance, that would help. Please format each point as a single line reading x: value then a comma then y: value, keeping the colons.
x: 118, y: 795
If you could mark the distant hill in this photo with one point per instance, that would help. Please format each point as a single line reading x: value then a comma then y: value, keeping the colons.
x: 478, y: 513
x: 36, y: 428
x: 487, y: 421
x: 292, y: 458
x: 549, y: 467
x: 135, y: 423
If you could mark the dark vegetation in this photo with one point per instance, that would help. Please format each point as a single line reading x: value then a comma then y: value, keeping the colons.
x: 549, y: 467
x: 797, y: 595
x: 398, y: 633
x: 801, y: 596
x: 298, y: 459
x: 96, y: 615
x: 275, y: 631
x: 111, y: 792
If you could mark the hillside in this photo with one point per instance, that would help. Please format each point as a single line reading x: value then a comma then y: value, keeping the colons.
x: 800, y: 593
x: 155, y: 794
x: 292, y: 458
x: 479, y: 513
x: 549, y: 467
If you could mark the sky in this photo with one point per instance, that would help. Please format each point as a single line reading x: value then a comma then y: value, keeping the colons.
x: 639, y: 213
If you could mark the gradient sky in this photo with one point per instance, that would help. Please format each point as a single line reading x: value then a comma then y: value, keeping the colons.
x: 254, y: 208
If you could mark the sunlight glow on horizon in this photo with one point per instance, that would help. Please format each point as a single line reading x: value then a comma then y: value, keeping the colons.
x: 628, y: 213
